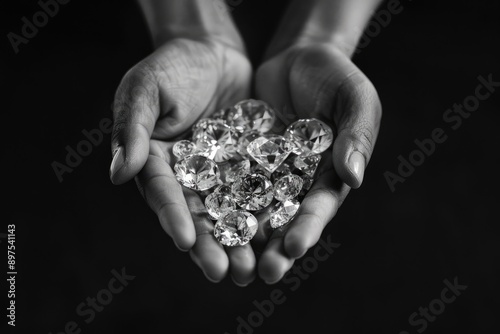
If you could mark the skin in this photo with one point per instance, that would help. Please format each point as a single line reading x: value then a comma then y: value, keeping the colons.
x: 200, y: 66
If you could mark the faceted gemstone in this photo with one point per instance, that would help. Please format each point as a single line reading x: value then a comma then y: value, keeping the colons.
x: 236, y: 228
x: 220, y: 114
x: 224, y: 189
x: 197, y: 172
x: 232, y: 170
x: 245, y: 140
x: 282, y: 170
x: 288, y: 187
x: 217, y: 141
x: 208, y: 127
x: 309, y: 136
x: 183, y: 148
x: 258, y: 169
x: 308, y: 164
x: 306, y: 185
x: 217, y: 204
x: 252, y: 192
x: 259, y: 114
x: 283, y: 212
x: 237, y: 118
x: 269, y: 151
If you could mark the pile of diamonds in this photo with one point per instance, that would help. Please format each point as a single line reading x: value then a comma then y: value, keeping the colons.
x: 243, y: 167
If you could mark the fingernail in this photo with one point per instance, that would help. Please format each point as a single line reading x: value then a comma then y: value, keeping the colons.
x: 210, y: 279
x: 118, y: 160
x: 273, y: 282
x: 357, y: 165
x: 180, y: 248
x: 241, y: 285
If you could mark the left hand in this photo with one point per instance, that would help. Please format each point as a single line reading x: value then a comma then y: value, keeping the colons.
x: 319, y: 81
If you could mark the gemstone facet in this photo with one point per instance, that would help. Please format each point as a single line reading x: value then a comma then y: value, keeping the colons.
x: 233, y: 170
x: 308, y: 164
x: 309, y: 136
x: 197, y: 172
x: 252, y: 192
x: 269, y: 151
x: 183, y: 148
x: 288, y: 187
x: 244, y: 140
x: 236, y: 228
x: 283, y: 212
x: 259, y: 114
x: 217, y: 140
x: 217, y: 204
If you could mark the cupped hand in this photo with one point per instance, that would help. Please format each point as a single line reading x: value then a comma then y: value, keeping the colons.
x: 159, y: 100
x: 319, y: 81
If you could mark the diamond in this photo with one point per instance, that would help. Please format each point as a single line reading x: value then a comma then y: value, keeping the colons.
x: 309, y: 136
x: 308, y: 164
x: 207, y: 127
x: 217, y: 141
x: 237, y: 118
x: 218, y: 204
x: 245, y: 140
x: 307, y: 184
x: 258, y: 169
x: 197, y: 172
x: 288, y: 187
x: 224, y: 189
x: 233, y: 170
x: 283, y: 212
x: 269, y: 151
x: 282, y: 170
x: 259, y: 114
x: 252, y: 192
x: 236, y: 228
x: 183, y: 148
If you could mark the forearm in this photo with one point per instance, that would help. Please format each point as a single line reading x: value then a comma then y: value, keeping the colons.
x: 336, y: 22
x: 197, y: 19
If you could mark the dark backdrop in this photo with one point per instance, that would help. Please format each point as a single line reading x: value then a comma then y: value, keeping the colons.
x: 397, y: 247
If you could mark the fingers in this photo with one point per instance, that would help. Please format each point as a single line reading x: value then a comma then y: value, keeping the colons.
x: 163, y: 193
x: 274, y: 262
x: 135, y: 112
x: 242, y: 264
x: 316, y: 210
x: 357, y: 114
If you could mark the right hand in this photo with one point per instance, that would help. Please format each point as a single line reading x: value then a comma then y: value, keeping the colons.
x: 158, y: 100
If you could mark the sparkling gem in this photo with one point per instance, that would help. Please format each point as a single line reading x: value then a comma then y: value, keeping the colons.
x: 217, y: 141
x: 252, y: 192
x: 283, y: 212
x: 308, y: 164
x: 244, y: 140
x: 197, y: 172
x: 236, y: 228
x: 224, y: 189
x: 237, y: 118
x: 217, y: 204
x: 269, y: 151
x: 233, y: 170
x: 183, y: 148
x: 309, y: 136
x: 288, y: 187
x: 208, y: 127
x: 282, y: 170
x: 258, y: 169
x: 259, y: 114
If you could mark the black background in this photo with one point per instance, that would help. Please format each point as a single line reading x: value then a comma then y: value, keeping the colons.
x: 397, y: 247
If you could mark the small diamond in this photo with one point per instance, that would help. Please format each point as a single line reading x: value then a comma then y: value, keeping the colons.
x: 236, y: 228
x: 218, y: 204
x: 288, y: 187
x: 224, y: 189
x: 259, y: 114
x: 197, y: 172
x: 269, y: 151
x: 233, y: 170
x: 237, y: 118
x: 307, y: 165
x: 307, y: 184
x: 183, y: 148
x: 217, y: 141
x: 245, y: 140
x: 283, y: 212
x: 253, y: 192
x: 207, y: 127
x: 282, y: 170
x: 258, y: 169
x: 309, y: 136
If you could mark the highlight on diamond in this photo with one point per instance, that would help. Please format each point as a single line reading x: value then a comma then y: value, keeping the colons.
x: 243, y: 168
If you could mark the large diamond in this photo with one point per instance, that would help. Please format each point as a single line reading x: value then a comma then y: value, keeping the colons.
x: 260, y: 115
x: 217, y: 141
x: 283, y: 212
x: 309, y: 136
x: 307, y: 164
x: 197, y: 172
x: 236, y: 228
x: 288, y: 187
x: 269, y: 151
x: 253, y: 192
x: 183, y: 148
x: 218, y: 204
x: 244, y: 140
x: 237, y: 118
x: 232, y: 170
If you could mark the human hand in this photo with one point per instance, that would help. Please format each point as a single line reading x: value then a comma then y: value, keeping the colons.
x: 320, y: 81
x: 158, y: 100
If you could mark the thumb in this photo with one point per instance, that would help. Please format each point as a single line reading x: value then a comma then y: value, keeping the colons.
x: 135, y: 111
x: 357, y: 114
